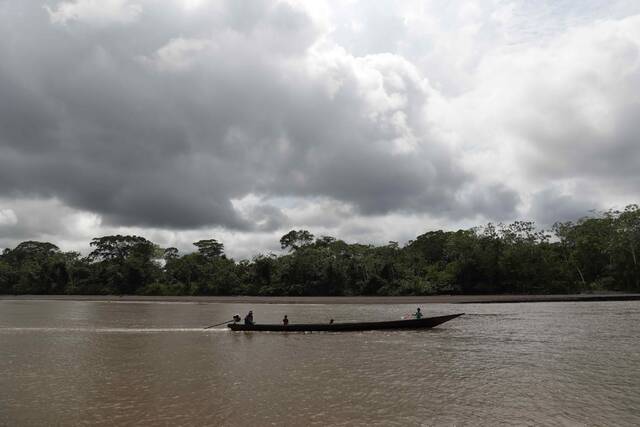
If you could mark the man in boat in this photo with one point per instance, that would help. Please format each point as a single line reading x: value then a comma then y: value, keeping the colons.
x: 285, y: 321
x: 418, y: 314
x: 248, y: 319
x: 236, y: 318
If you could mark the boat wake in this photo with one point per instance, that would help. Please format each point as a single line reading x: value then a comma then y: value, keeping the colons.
x: 110, y: 330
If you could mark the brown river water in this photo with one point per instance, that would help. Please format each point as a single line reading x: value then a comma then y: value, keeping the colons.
x: 134, y: 363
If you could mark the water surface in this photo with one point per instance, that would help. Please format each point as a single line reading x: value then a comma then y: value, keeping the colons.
x: 69, y: 363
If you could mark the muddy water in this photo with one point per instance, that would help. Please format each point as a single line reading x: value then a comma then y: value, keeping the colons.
x: 69, y: 363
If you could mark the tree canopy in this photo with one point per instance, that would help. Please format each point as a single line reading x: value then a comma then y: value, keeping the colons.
x: 595, y: 253
x: 296, y: 239
x: 210, y: 248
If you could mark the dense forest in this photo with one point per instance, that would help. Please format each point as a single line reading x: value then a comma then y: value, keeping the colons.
x: 595, y: 253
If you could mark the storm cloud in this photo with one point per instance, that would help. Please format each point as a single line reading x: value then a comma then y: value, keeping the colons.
x: 242, y: 118
x: 165, y: 129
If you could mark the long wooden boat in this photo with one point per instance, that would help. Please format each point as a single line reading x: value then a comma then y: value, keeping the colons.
x: 424, y: 323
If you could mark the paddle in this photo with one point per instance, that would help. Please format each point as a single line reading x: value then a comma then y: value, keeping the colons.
x: 218, y: 324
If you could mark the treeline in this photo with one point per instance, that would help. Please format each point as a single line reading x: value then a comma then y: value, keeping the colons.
x: 592, y: 254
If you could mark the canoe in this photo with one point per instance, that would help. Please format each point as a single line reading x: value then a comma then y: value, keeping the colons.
x: 424, y: 323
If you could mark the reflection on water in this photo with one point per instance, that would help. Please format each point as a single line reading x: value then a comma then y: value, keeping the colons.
x: 68, y: 363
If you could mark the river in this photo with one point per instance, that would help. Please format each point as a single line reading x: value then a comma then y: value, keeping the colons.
x: 151, y: 363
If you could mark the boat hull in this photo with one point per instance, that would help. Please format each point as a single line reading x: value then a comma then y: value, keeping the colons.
x: 425, y: 323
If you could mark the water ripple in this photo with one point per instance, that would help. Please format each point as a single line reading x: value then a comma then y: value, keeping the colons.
x: 525, y: 364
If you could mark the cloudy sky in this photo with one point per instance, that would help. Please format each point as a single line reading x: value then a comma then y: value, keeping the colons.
x: 370, y: 121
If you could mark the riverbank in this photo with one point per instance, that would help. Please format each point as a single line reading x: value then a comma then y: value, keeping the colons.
x: 434, y: 299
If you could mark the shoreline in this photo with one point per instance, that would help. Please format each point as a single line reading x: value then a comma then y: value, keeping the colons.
x: 434, y: 299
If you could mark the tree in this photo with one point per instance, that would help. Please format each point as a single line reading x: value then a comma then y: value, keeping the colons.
x: 594, y: 253
x: 586, y: 247
x: 7, y: 277
x: 210, y: 249
x: 169, y: 254
x: 34, y: 268
x: 294, y: 240
x: 324, y: 241
x: 461, y: 255
x: 624, y: 246
x: 124, y: 264
x: 118, y: 247
x: 429, y: 247
x: 31, y: 250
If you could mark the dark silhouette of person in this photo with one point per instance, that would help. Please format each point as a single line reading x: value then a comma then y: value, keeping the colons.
x: 285, y: 321
x: 248, y: 319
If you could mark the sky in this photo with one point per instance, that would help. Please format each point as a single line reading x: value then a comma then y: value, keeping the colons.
x: 240, y: 120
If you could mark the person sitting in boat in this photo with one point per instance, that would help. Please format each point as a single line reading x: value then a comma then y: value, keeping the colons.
x: 285, y: 321
x: 248, y: 319
x: 236, y: 318
x: 418, y: 314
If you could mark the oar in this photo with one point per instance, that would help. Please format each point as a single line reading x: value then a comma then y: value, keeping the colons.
x: 218, y: 324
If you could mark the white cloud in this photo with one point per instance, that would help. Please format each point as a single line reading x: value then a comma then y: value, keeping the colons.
x: 178, y: 54
x: 191, y: 5
x: 95, y: 12
x: 557, y: 111
x: 8, y: 217
x: 368, y: 121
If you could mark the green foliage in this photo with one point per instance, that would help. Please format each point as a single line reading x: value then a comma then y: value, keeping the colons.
x: 210, y: 249
x: 8, y: 277
x: 294, y: 240
x: 596, y: 253
x: 169, y: 254
x: 115, y: 248
x: 122, y: 264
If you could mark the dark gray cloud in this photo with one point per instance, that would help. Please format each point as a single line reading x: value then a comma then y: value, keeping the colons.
x: 86, y: 121
x: 551, y: 205
x: 161, y: 117
x: 256, y: 117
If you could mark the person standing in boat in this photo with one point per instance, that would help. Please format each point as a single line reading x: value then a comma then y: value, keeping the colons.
x: 285, y: 321
x: 248, y: 319
x: 418, y: 314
